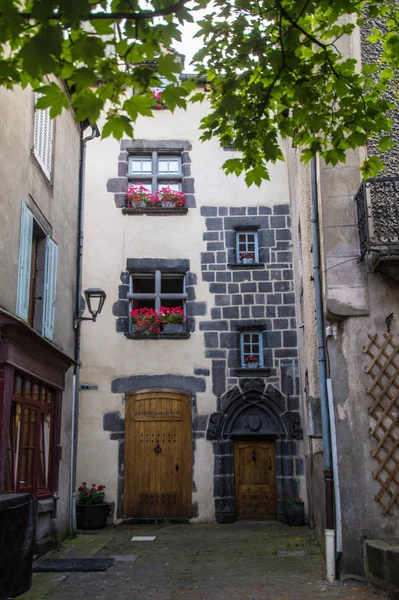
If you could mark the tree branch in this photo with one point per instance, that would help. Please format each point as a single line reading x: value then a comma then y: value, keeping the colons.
x: 116, y: 16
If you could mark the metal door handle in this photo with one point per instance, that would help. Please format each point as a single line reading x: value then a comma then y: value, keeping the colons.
x: 253, y: 455
x: 177, y: 467
x: 270, y: 464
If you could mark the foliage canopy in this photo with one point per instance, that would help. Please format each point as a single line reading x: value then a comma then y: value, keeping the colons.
x: 274, y: 68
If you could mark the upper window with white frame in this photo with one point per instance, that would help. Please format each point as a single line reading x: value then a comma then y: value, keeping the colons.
x: 43, y: 138
x: 156, y: 171
x: 251, y: 349
x: 247, y: 247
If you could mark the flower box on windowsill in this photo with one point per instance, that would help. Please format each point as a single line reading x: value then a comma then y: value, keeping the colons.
x: 158, y: 336
x: 155, y: 210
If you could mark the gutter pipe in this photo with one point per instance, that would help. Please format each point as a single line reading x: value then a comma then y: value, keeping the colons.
x: 327, y: 453
x: 78, y: 309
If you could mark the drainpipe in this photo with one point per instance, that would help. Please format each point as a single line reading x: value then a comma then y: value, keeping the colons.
x: 78, y: 309
x: 327, y: 454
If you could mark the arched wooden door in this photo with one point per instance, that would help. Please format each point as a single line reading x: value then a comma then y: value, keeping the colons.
x: 158, y: 464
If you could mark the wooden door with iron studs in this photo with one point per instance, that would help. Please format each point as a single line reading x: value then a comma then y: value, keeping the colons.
x: 255, y: 480
x: 158, y: 465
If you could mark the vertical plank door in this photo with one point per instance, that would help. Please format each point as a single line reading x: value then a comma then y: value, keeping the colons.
x: 158, y: 465
x: 255, y: 480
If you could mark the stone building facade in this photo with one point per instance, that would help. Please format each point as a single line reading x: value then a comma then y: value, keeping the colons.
x: 359, y: 245
x: 39, y: 194
x: 233, y: 308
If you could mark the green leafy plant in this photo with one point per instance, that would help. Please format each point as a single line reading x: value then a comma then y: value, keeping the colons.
x: 290, y: 500
x: 172, y: 315
x: 91, y: 495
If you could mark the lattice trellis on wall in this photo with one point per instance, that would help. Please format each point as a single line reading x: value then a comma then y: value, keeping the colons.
x: 384, y: 389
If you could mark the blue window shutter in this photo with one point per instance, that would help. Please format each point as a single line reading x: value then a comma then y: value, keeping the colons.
x: 50, y: 286
x: 24, y: 266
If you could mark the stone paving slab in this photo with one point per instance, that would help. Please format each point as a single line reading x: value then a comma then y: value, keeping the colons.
x: 241, y: 561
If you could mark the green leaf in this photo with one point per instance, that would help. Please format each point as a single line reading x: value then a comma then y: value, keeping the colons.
x: 385, y: 143
x: 88, y: 106
x: 372, y: 166
x: 52, y: 97
x: 117, y: 125
x: 138, y: 105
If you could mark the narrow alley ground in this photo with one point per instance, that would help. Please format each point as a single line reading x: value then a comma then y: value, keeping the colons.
x: 242, y: 561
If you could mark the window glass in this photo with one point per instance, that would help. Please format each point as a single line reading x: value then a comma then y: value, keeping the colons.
x: 251, y: 348
x: 169, y: 165
x: 247, y: 244
x: 172, y: 284
x: 30, y: 438
x: 143, y: 303
x: 141, y: 165
x: 144, y: 284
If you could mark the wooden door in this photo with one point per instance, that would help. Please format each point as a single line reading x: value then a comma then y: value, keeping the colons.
x: 255, y: 480
x: 158, y: 466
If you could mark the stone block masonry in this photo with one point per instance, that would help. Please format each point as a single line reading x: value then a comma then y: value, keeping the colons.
x: 260, y: 295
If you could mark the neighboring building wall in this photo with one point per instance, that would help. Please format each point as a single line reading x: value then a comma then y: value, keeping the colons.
x: 54, y: 205
x: 222, y: 296
x: 357, y: 303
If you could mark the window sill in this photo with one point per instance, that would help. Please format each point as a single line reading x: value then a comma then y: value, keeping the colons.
x: 158, y: 336
x: 246, y: 265
x: 261, y: 372
x: 155, y: 211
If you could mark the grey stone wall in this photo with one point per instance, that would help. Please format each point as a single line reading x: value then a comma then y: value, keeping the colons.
x: 257, y: 296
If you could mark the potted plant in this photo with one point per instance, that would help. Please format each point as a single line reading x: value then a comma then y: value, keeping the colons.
x: 173, y: 319
x: 252, y: 361
x: 157, y: 97
x: 247, y: 257
x: 294, y: 509
x: 146, y: 320
x: 138, y: 196
x: 91, y: 510
x: 169, y: 198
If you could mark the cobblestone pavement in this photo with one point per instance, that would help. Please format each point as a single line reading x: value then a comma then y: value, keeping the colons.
x: 242, y: 561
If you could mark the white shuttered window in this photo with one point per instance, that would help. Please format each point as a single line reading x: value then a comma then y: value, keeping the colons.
x: 50, y: 286
x: 43, y: 137
x: 24, y: 266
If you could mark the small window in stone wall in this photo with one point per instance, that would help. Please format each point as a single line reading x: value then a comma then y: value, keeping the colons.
x: 251, y: 349
x: 247, y: 247
x: 157, y: 303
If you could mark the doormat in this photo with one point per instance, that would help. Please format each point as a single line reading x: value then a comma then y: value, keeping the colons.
x: 58, y: 565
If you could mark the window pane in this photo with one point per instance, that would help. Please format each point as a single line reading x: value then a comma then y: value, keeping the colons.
x: 168, y: 165
x: 171, y: 303
x: 28, y: 388
x: 145, y: 303
x: 247, y: 338
x: 44, y: 449
x: 251, y: 247
x: 247, y: 349
x: 145, y: 184
x: 144, y: 284
x: 18, y: 386
x: 32, y: 428
x: 251, y: 238
x: 172, y: 185
x: 242, y: 247
x: 141, y: 166
x: 35, y: 394
x: 172, y: 284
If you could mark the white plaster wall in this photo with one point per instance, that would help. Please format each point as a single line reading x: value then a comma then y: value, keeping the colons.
x: 111, y: 238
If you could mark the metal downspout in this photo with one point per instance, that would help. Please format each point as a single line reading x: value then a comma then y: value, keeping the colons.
x: 327, y: 453
x: 78, y: 309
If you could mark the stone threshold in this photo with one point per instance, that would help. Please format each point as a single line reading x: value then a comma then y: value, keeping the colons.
x: 245, y: 265
x: 158, y: 336
x: 155, y: 211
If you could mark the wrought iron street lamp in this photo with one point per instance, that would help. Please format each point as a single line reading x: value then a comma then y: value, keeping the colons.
x: 95, y: 298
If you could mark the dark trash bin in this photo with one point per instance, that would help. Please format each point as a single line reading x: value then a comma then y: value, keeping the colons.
x: 17, y: 538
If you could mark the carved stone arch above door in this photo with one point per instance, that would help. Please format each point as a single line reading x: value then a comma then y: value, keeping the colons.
x: 252, y: 411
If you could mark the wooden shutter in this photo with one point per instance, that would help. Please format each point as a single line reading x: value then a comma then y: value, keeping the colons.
x: 50, y: 285
x: 24, y: 266
x: 43, y: 137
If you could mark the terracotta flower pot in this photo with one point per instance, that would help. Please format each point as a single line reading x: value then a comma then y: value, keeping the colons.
x: 92, y: 516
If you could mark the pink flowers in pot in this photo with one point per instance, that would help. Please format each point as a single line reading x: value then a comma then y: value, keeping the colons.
x: 247, y: 256
x: 138, y: 196
x: 149, y: 321
x: 251, y: 358
x: 157, y: 97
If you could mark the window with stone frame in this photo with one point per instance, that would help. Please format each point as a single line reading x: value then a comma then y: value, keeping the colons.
x: 251, y: 349
x: 31, y: 438
x: 155, y: 171
x: 247, y: 246
x: 157, y: 289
